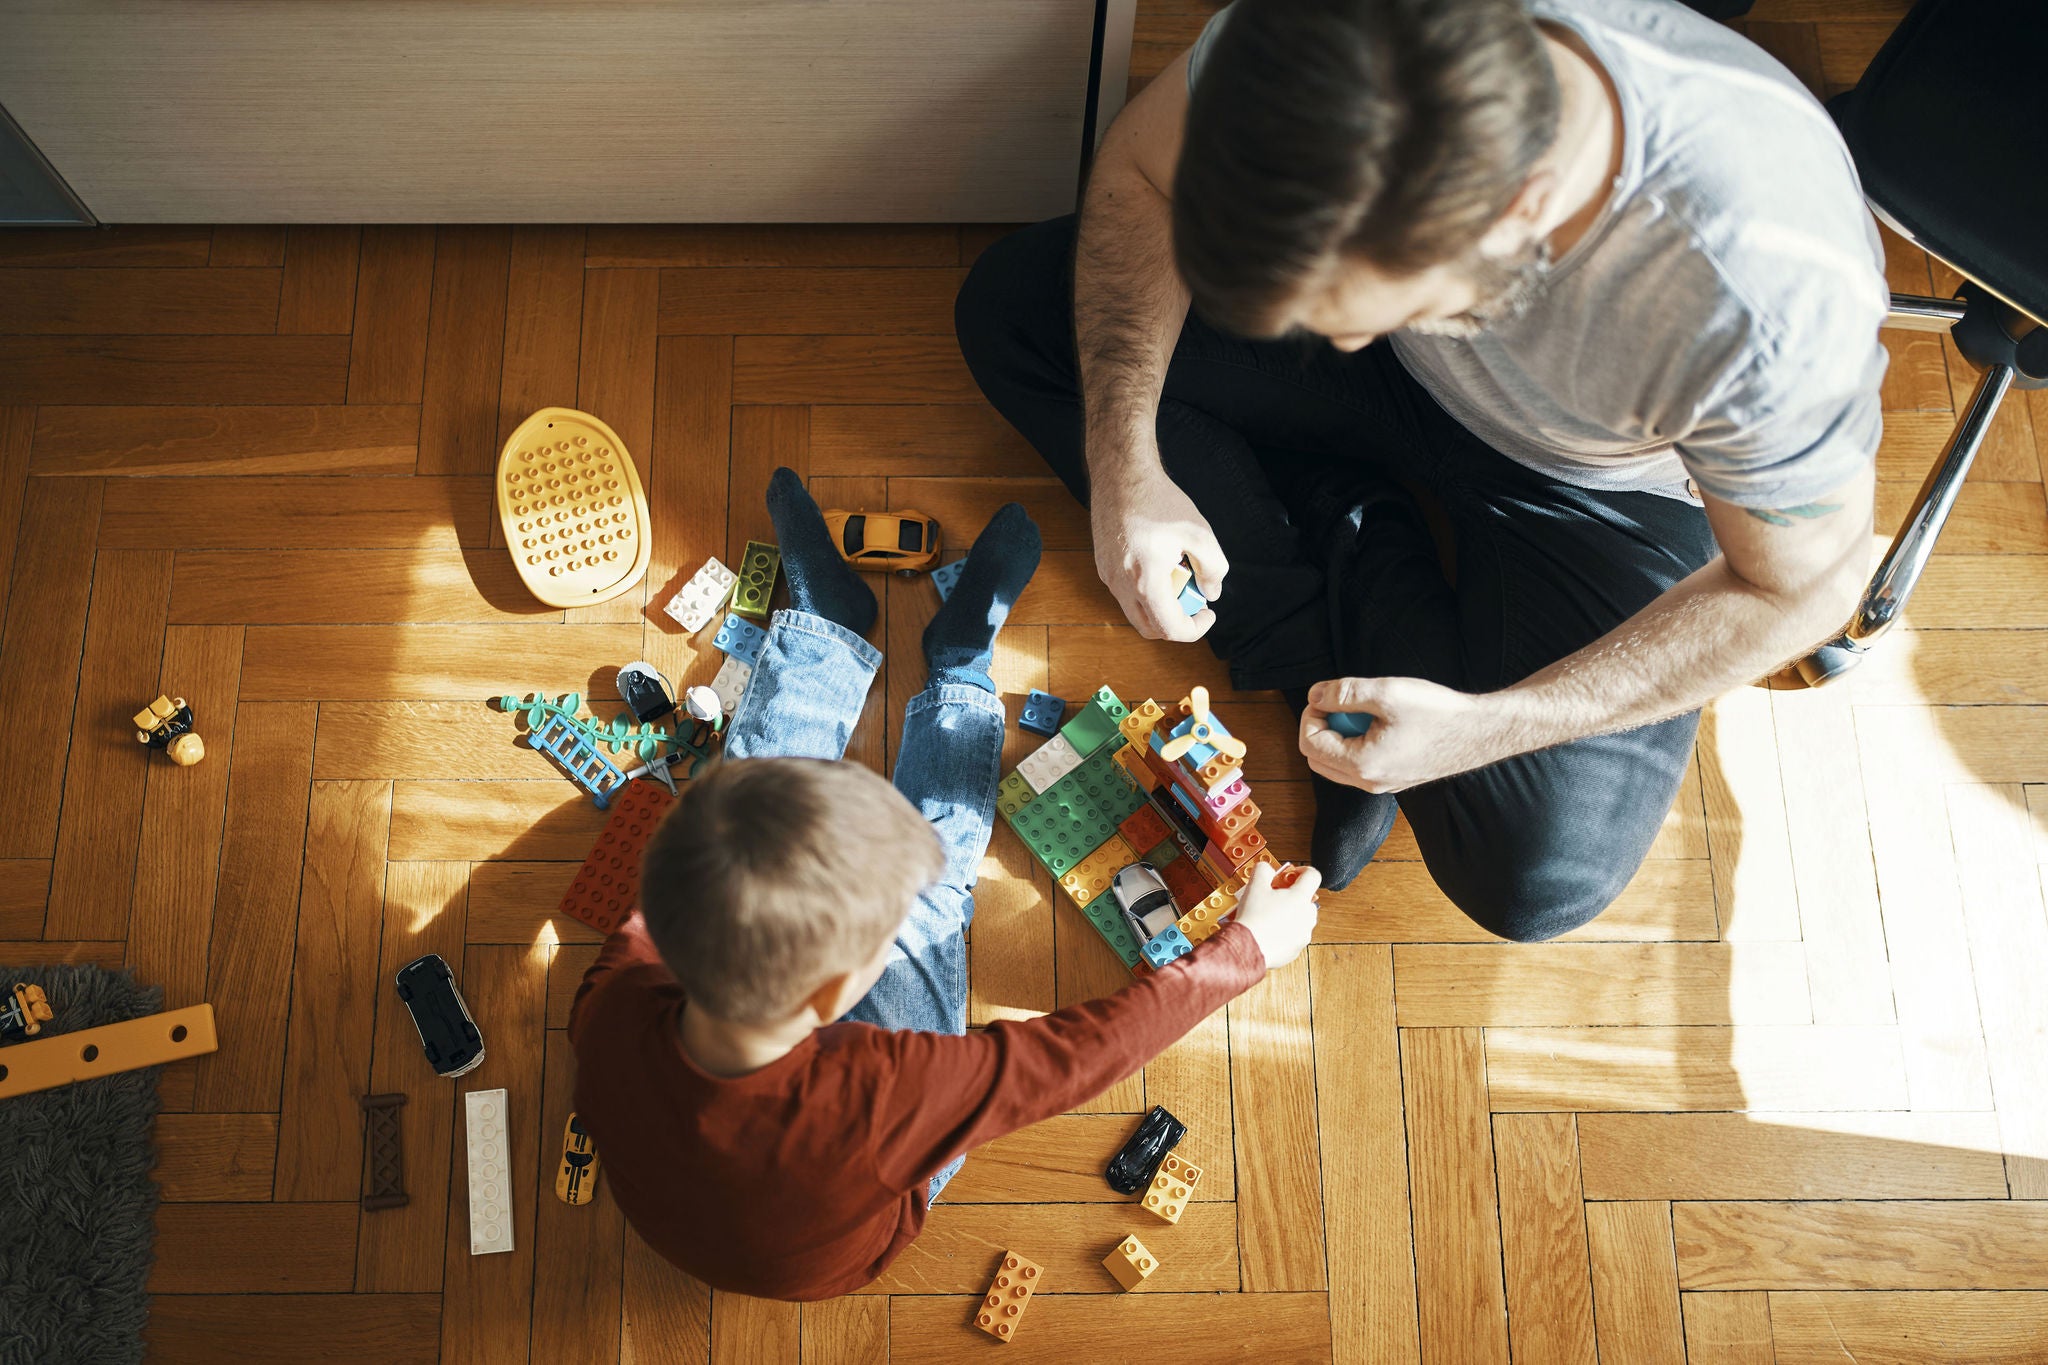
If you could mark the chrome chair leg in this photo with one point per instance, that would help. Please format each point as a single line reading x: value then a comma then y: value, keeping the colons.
x: 1900, y: 569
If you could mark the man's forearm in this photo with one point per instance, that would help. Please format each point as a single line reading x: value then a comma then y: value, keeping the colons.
x: 1708, y: 634
x: 1129, y: 304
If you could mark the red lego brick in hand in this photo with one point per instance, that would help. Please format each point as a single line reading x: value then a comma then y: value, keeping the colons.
x: 1145, y: 829
x: 607, y: 886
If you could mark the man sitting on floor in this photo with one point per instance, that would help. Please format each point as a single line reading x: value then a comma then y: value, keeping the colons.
x: 1592, y: 277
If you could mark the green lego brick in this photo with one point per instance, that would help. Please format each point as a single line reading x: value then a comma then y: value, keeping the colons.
x: 1013, y: 793
x: 756, y: 579
x: 1112, y: 703
x: 1094, y: 725
x: 1103, y: 914
x: 1099, y: 787
x: 1061, y: 830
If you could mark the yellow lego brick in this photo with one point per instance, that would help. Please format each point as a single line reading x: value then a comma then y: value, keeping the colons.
x: 1205, y: 919
x: 1138, y: 722
x: 1008, y: 1297
x: 1130, y: 1263
x: 1090, y: 877
x: 1132, y: 757
x: 1167, y: 1196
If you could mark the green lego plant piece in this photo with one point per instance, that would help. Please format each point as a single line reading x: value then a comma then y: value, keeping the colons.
x: 755, y: 583
x: 1013, y: 793
x: 1103, y: 914
x: 619, y: 734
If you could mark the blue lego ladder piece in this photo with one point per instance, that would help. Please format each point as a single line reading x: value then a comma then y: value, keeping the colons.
x: 587, y: 768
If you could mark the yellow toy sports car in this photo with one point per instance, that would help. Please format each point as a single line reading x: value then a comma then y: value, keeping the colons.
x: 904, y: 541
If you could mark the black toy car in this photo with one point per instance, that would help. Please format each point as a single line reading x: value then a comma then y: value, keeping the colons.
x: 1135, y: 1163
x: 447, y: 1032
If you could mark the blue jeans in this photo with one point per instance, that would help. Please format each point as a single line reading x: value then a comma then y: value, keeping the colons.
x: 803, y: 701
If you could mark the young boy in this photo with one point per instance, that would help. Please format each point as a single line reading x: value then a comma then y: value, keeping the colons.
x: 773, y: 1056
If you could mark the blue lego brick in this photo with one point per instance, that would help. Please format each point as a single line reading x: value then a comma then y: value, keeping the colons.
x: 946, y: 577
x: 1042, y: 712
x: 1109, y: 922
x: 1350, y: 723
x: 1191, y: 601
x: 1170, y: 944
x: 741, y: 639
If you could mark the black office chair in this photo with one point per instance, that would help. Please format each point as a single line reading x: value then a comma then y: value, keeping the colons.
x: 1949, y: 128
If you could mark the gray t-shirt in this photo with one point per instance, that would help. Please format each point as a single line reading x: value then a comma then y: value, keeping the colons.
x: 1719, y: 320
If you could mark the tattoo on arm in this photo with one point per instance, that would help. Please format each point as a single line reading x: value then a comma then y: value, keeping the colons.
x: 1782, y: 516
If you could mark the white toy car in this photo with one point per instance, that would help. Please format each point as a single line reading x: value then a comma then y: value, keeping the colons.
x: 1147, y: 905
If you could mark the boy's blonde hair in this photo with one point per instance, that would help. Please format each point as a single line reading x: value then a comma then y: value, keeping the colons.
x: 772, y: 874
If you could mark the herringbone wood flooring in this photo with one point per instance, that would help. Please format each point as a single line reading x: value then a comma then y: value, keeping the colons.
x: 1785, y: 1100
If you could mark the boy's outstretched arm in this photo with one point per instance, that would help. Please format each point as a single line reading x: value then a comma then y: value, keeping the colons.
x: 949, y: 1093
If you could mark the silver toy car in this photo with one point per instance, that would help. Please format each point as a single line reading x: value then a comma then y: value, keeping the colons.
x: 1147, y: 905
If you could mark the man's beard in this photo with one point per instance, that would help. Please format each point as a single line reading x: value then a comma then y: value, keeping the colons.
x: 1505, y: 290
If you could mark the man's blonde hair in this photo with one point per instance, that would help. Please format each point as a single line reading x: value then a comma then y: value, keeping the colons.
x: 773, y: 874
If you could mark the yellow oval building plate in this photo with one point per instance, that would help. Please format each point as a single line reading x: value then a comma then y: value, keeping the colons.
x: 572, y: 509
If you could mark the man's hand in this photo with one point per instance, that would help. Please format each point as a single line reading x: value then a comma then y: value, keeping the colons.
x: 1143, y: 524
x: 1419, y: 732
x: 1282, y: 921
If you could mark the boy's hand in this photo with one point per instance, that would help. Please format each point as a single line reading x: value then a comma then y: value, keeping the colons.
x: 1282, y: 919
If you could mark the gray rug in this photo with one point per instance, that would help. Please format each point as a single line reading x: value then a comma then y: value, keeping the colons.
x: 76, y: 1200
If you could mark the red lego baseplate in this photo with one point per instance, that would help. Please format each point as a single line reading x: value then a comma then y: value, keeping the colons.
x: 607, y: 886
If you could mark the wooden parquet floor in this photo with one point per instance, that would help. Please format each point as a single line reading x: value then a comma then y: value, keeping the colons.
x: 1787, y: 1100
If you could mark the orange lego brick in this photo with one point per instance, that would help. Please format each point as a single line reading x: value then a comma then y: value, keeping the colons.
x: 1145, y: 828
x: 1218, y: 771
x: 1167, y: 1196
x: 1003, y: 1306
x: 1231, y: 823
x: 1184, y: 880
x: 1243, y: 849
x: 1132, y: 757
x: 607, y: 887
x: 1130, y: 1263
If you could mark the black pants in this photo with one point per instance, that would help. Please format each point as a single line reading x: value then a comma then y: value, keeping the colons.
x: 1303, y: 459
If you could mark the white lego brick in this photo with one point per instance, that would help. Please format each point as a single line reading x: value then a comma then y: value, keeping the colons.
x: 490, y: 1172
x: 1049, y: 762
x: 698, y: 600
x: 731, y: 682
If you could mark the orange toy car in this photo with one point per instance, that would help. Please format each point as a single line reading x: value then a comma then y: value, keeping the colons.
x: 877, y: 542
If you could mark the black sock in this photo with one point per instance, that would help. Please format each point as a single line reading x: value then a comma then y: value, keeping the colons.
x: 960, y: 642
x: 820, y: 582
x: 1351, y: 823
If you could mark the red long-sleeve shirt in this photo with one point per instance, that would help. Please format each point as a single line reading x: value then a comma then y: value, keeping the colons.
x: 806, y: 1178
